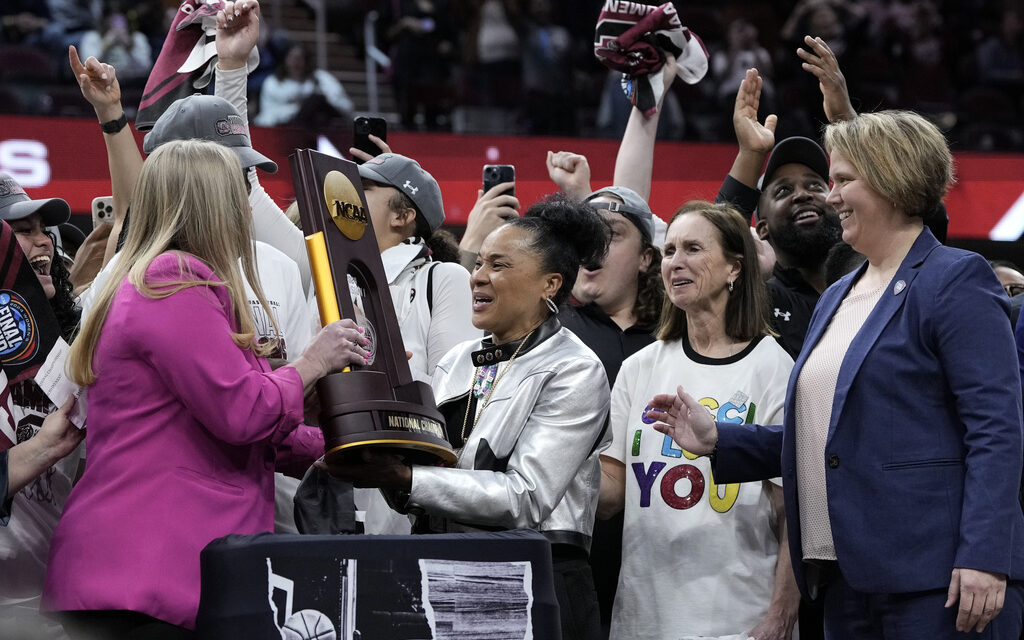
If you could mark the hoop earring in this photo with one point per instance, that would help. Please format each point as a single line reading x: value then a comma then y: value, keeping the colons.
x: 552, y: 307
x: 730, y: 286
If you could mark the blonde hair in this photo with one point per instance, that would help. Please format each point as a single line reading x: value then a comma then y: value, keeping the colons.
x: 747, y: 309
x: 189, y: 199
x: 903, y: 156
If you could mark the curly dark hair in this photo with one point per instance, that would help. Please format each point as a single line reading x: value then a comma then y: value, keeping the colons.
x: 567, y: 234
x: 63, y: 301
x: 650, y: 293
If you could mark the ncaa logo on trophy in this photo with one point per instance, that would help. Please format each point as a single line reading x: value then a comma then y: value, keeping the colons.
x: 378, y: 405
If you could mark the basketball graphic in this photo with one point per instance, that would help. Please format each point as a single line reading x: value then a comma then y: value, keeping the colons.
x: 308, y: 624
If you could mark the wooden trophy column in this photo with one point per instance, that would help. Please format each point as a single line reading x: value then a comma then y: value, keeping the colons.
x: 377, y: 405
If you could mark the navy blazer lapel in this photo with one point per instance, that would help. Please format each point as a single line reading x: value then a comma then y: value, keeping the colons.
x: 891, y: 301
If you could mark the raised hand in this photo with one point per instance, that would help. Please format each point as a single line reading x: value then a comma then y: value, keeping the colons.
x: 238, y: 29
x: 751, y: 135
x: 362, y: 155
x: 492, y: 209
x: 571, y: 172
x: 820, y: 61
x: 98, y: 82
x: 684, y: 420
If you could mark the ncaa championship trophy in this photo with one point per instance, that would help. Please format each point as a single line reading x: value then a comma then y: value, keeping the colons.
x: 378, y: 405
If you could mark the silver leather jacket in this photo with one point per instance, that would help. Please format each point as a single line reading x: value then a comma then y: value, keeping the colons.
x: 532, y: 460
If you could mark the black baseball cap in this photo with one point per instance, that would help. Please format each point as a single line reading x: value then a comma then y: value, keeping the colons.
x: 795, y: 150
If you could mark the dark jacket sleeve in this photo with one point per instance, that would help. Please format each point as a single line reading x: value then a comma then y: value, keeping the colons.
x: 739, y: 195
x: 747, y: 452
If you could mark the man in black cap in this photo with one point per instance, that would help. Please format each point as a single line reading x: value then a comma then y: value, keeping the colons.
x: 792, y: 216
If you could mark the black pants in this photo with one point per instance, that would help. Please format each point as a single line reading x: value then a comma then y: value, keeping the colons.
x: 120, y: 625
x: 574, y: 589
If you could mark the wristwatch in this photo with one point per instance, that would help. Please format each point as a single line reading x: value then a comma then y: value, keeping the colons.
x: 114, y: 126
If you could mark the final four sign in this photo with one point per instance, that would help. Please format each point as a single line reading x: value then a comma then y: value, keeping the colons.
x: 28, y: 327
x: 19, y: 339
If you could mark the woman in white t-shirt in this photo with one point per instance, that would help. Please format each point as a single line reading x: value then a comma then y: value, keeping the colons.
x: 298, y: 92
x: 700, y: 560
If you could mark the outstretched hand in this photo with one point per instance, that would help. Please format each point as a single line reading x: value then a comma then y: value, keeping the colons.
x: 819, y: 60
x: 684, y: 420
x: 337, y: 345
x: 238, y: 30
x: 98, y: 82
x: 750, y: 133
x: 570, y: 171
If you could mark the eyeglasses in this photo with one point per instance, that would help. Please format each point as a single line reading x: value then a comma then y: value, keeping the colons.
x: 1013, y: 289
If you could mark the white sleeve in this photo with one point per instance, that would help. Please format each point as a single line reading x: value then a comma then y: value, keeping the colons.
x: 295, y: 312
x: 618, y: 417
x: 334, y: 92
x: 91, y: 45
x: 87, y: 298
x: 270, y: 225
x: 231, y: 85
x: 451, y: 315
x: 275, y: 99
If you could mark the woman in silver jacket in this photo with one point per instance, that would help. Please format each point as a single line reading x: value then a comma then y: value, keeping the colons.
x: 526, y: 406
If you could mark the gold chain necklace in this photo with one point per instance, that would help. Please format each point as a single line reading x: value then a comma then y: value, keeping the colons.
x: 487, y: 398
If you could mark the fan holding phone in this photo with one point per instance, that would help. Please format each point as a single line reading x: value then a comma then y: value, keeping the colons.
x: 496, y: 204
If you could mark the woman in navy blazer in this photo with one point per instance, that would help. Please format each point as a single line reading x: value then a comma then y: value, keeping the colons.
x: 901, y: 448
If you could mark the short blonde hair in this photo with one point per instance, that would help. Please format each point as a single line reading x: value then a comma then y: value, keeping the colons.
x: 903, y: 156
x: 189, y: 198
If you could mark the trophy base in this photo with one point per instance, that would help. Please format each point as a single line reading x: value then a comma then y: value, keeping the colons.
x: 360, y: 410
x: 399, y: 443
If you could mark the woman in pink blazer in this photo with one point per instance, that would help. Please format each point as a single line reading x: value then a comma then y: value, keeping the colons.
x: 186, y: 421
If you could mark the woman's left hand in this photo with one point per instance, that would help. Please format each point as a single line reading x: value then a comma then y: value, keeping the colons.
x: 373, y: 469
x: 981, y: 597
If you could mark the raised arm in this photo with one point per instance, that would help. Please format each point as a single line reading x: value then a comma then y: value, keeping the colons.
x: 238, y: 29
x: 755, y: 139
x: 492, y: 209
x: 571, y: 172
x: 819, y: 61
x: 634, y: 164
x: 99, y: 85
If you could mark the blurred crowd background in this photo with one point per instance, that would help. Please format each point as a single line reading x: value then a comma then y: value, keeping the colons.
x: 526, y: 67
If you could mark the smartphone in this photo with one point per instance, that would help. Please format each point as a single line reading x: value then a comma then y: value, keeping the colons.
x: 102, y: 211
x: 495, y: 174
x: 362, y: 127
